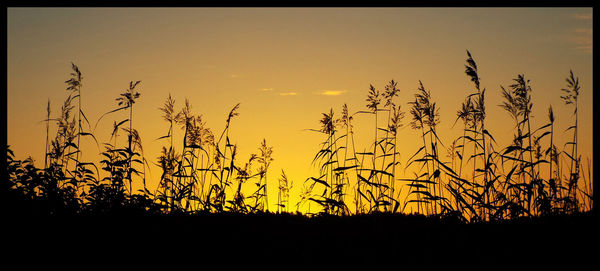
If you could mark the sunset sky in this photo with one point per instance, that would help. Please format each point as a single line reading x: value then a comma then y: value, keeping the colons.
x: 286, y: 66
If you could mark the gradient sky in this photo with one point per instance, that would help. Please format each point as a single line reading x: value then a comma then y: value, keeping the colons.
x: 286, y: 66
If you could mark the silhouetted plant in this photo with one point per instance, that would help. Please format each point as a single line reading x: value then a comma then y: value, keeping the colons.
x: 425, y: 114
x: 238, y: 203
x: 39, y: 191
x: 389, y: 143
x: 127, y: 100
x: 570, y: 98
x: 283, y: 195
x: 168, y: 159
x: 518, y: 104
x: 223, y: 172
x: 264, y: 158
x: 167, y: 162
x: 346, y: 122
x: 46, y: 146
x: 479, y: 119
x: 503, y: 185
x: 553, y: 154
x: 466, y: 114
x: 326, y: 159
x: 190, y: 177
x: 373, y: 101
x: 74, y: 85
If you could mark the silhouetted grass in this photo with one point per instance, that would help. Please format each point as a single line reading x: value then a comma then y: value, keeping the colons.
x: 204, y: 174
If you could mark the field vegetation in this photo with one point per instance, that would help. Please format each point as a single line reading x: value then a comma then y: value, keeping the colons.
x: 477, y: 181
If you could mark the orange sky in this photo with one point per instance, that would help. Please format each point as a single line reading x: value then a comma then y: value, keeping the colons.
x: 286, y: 66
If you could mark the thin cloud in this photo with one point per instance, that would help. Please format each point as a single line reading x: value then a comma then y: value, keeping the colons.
x: 267, y: 89
x: 291, y: 93
x: 233, y: 76
x: 332, y: 92
x: 583, y: 39
x: 584, y: 30
x: 583, y: 16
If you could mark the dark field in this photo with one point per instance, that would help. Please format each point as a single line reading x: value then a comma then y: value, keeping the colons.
x: 374, y: 239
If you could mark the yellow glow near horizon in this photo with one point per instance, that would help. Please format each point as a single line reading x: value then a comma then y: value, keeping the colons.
x: 287, y: 66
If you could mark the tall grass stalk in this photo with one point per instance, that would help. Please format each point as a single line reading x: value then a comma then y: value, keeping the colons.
x: 570, y: 98
x: 265, y: 158
x: 127, y: 100
x: 373, y: 101
x: 283, y: 195
x: 47, y: 120
x: 479, y: 117
x: 395, y: 125
x: 391, y: 91
x: 419, y: 111
x: 74, y: 85
x: 550, y: 151
x: 168, y: 158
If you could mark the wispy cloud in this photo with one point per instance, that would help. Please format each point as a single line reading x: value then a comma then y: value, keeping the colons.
x: 233, y: 76
x: 583, y: 16
x: 583, y: 39
x: 584, y: 31
x: 332, y: 92
x: 290, y: 93
x: 267, y: 89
